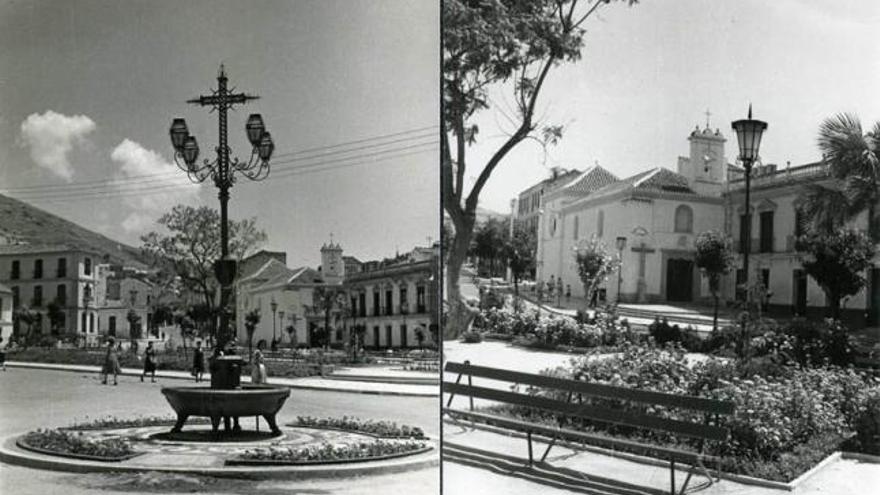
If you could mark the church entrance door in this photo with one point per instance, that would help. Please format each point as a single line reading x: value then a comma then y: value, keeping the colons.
x: 679, y: 280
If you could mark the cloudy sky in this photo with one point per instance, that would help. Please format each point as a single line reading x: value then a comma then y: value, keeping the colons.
x: 649, y: 73
x: 348, y: 90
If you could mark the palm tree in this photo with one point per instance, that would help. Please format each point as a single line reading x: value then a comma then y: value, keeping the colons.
x: 853, y: 159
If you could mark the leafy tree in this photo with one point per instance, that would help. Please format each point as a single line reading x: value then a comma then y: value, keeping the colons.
x: 837, y: 262
x: 134, y: 325
x: 251, y: 320
x: 519, y: 251
x: 23, y: 315
x: 508, y: 45
x: 191, y: 244
x: 187, y: 329
x: 291, y: 335
x: 489, y: 239
x: 326, y: 299
x: 420, y: 337
x: 55, y: 315
x: 853, y: 159
x: 715, y: 257
x: 594, y: 264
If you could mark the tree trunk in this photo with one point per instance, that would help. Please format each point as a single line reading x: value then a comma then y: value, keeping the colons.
x: 834, y: 306
x: 459, y: 316
x: 715, y: 315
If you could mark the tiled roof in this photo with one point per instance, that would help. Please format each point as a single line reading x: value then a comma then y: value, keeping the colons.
x: 269, y: 270
x: 39, y: 249
x: 655, y: 179
x: 590, y: 180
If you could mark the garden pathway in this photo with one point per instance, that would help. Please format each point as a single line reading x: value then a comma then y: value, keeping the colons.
x: 313, y: 383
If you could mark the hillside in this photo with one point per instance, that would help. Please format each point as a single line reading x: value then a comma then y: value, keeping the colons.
x: 23, y: 223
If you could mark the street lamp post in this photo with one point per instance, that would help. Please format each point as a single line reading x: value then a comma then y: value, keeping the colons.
x: 274, y: 306
x: 281, y: 323
x: 621, y: 245
x: 748, y: 136
x: 222, y: 172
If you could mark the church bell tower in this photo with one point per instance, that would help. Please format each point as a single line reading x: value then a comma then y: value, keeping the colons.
x: 705, y: 167
x: 332, y: 265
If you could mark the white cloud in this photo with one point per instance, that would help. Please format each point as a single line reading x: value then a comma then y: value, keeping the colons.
x: 51, y: 136
x: 154, y: 185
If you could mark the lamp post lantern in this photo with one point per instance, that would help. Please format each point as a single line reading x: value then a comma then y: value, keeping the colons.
x: 748, y: 136
x: 222, y: 172
x: 621, y: 245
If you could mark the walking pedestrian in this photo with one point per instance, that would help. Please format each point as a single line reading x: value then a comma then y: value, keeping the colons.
x: 149, y: 362
x: 111, y: 363
x: 198, y: 362
x: 567, y: 293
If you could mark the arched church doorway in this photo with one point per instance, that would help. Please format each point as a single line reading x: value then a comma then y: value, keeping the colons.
x: 679, y: 280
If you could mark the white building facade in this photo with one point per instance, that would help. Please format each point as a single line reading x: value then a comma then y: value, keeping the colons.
x: 40, y: 275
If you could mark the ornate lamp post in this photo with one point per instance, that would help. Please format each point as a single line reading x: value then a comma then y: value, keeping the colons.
x: 748, y: 135
x: 621, y: 245
x: 222, y: 172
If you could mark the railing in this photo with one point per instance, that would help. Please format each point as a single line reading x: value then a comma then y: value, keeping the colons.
x: 812, y: 170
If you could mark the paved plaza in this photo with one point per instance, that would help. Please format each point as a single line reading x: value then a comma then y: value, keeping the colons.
x: 31, y: 399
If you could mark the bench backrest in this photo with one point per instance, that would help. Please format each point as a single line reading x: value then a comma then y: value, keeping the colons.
x: 588, y: 410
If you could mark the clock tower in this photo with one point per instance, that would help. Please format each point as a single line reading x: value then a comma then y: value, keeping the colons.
x: 705, y: 167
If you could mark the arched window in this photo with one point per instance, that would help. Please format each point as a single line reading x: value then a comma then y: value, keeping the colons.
x: 600, y: 223
x: 576, y: 226
x: 684, y: 219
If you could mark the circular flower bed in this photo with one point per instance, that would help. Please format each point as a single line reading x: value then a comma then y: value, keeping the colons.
x: 381, y: 429
x: 112, y: 422
x: 329, y: 454
x: 76, y: 445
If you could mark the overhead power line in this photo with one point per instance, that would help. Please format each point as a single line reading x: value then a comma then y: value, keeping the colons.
x: 147, y: 178
x: 140, y: 187
x: 289, y: 173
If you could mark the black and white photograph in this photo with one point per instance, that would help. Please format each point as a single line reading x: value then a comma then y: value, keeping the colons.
x: 219, y: 247
x: 661, y: 246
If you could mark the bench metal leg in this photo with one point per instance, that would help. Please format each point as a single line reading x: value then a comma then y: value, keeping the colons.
x: 471, y: 397
x: 672, y: 477
x: 449, y: 402
x: 552, y: 443
x: 529, y: 436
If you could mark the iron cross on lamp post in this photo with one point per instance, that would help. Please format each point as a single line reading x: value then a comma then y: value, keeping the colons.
x: 222, y: 172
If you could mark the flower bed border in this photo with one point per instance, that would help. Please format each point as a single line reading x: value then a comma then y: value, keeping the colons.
x: 738, y: 478
x: 71, y: 455
x: 275, y: 462
x: 356, y: 432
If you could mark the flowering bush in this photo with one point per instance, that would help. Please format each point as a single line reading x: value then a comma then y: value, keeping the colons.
x: 111, y: 422
x: 327, y: 452
x: 65, y: 442
x: 550, y: 330
x: 776, y: 415
x: 387, y: 429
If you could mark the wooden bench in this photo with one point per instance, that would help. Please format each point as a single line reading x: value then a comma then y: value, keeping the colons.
x: 581, y: 403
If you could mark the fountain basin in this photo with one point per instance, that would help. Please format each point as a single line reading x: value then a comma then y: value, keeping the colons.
x: 217, y: 404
